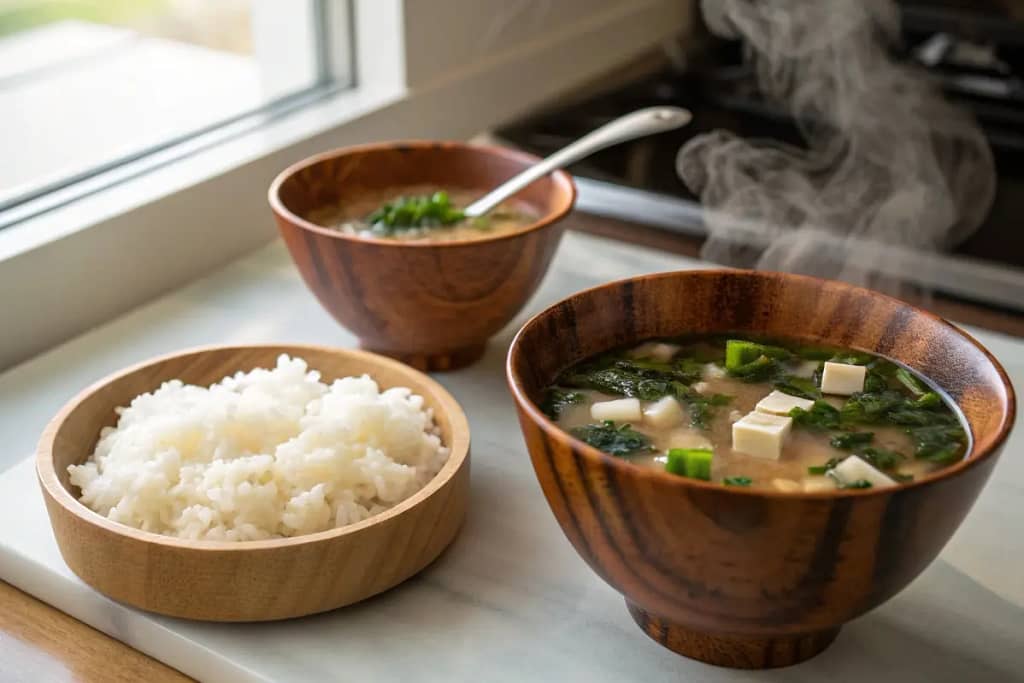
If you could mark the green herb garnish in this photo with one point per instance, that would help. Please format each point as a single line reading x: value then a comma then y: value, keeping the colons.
x: 690, y: 462
x: 414, y: 212
x: 618, y: 441
x: 857, y: 484
x: 737, y: 481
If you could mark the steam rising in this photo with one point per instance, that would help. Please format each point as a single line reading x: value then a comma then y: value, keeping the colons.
x: 889, y: 160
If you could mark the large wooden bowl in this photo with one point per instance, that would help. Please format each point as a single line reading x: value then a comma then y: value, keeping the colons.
x: 249, y: 580
x: 433, y: 306
x: 739, y: 577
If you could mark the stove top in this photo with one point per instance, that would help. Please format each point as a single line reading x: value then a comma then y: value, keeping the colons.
x: 638, y: 181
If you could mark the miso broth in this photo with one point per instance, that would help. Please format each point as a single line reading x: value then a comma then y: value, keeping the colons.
x: 424, y: 214
x: 768, y: 415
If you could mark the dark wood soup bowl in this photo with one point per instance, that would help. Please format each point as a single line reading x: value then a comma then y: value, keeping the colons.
x: 431, y: 305
x: 739, y: 577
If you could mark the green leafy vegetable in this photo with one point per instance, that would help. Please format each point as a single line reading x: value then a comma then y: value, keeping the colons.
x: 929, y: 400
x: 690, y: 462
x: 871, y: 407
x: 942, y: 443
x: 881, y: 458
x: 410, y: 213
x: 798, y: 386
x: 619, y: 441
x: 556, y: 400
x: 648, y: 380
x: 875, y: 381
x: 822, y: 415
x: 737, y: 481
x: 912, y: 383
x: 847, y: 441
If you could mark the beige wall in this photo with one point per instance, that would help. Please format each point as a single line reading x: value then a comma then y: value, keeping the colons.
x: 483, y: 31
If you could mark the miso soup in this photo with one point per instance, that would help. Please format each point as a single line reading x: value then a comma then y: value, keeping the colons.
x: 772, y: 415
x: 421, y: 213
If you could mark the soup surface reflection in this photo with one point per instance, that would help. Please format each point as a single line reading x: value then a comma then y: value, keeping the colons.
x: 747, y: 413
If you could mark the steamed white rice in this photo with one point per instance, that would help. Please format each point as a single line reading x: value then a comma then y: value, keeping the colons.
x: 262, y: 454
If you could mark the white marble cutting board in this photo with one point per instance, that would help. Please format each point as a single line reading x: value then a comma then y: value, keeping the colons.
x: 510, y: 600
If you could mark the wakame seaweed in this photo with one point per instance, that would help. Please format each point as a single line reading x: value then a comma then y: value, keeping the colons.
x: 615, y: 440
x: 556, y: 400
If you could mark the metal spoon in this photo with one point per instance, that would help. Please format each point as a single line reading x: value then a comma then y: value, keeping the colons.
x: 635, y: 125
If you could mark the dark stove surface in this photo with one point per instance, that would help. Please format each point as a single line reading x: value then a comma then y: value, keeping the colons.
x: 725, y: 97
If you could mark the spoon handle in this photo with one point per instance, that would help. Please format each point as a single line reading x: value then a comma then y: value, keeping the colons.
x: 637, y: 124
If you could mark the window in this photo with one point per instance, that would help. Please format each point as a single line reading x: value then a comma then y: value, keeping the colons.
x: 112, y: 230
x: 88, y: 86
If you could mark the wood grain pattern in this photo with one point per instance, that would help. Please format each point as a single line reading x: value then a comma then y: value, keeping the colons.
x: 432, y: 305
x: 739, y: 577
x: 253, y: 580
x: 39, y: 643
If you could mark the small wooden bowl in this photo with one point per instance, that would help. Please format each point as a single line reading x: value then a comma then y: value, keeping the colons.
x: 738, y: 577
x: 249, y: 580
x: 431, y: 305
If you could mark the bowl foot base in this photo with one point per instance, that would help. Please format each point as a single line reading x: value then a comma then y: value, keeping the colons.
x: 737, y: 652
x: 452, y: 359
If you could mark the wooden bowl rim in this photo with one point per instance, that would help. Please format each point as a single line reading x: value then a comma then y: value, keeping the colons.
x: 977, y: 453
x: 457, y: 456
x: 560, y: 176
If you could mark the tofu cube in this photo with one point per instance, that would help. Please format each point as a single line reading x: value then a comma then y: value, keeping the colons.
x: 843, y: 379
x: 761, y: 435
x: 663, y: 413
x: 619, y: 410
x: 853, y: 469
x: 780, y: 403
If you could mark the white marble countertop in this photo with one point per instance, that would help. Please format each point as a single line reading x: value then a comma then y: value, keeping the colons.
x: 510, y: 600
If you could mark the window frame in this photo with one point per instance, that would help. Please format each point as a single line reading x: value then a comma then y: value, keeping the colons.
x: 84, y: 262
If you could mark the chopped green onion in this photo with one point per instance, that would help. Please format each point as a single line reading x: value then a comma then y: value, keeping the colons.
x: 690, y: 462
x: 739, y: 353
x: 824, y: 469
x: 737, y: 481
